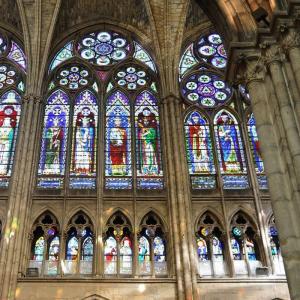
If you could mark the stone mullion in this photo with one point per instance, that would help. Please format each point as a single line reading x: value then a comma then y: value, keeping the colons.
x: 279, y: 183
x: 172, y: 200
x: 186, y: 198
x: 18, y: 200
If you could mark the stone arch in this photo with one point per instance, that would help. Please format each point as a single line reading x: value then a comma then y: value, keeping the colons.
x: 115, y: 211
x: 216, y: 216
x: 76, y: 210
x: 94, y: 297
x: 158, y: 214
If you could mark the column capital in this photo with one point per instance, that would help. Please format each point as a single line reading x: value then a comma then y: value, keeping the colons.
x: 249, y: 69
x: 31, y: 98
x: 290, y: 38
x: 271, y: 53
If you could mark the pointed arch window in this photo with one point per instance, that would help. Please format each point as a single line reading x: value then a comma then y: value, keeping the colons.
x: 148, y: 149
x: 45, y: 246
x: 256, y: 153
x: 199, y: 151
x: 79, y: 246
x: 84, y: 149
x: 230, y: 151
x: 54, y: 140
x: 152, y: 247
x: 118, y: 250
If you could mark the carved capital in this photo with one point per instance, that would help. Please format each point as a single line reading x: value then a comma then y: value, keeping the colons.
x: 171, y: 98
x: 271, y: 53
x: 290, y: 39
x: 31, y: 98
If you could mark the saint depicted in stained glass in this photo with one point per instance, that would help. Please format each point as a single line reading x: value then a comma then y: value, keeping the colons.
x: 38, y: 254
x: 85, y: 124
x: 72, y: 249
x: 202, y: 249
x: 147, y: 136
x: 198, y: 144
x: 259, y: 166
x: 118, y: 160
x: 87, y: 249
x: 229, y: 143
x: 110, y: 255
x: 235, y: 248
x: 10, y: 110
x: 159, y: 249
x: 55, y: 134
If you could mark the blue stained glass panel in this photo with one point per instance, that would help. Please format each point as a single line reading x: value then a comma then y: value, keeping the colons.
x: 85, y: 120
x: 65, y: 53
x: 50, y: 183
x: 82, y: 183
x: 87, y: 249
x: 235, y: 248
x: 150, y: 183
x: 118, y: 136
x: 235, y: 182
x: 148, y: 149
x: 10, y: 111
x: 55, y: 135
x: 203, y: 182
x: 202, y: 249
x: 118, y: 183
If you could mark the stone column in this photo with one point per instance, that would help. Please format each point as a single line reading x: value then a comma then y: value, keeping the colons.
x: 285, y: 203
x: 179, y: 199
x: 11, y: 249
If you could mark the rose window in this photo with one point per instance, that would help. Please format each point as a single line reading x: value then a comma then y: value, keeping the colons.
x: 103, y: 48
x: 8, y: 76
x: 206, y: 89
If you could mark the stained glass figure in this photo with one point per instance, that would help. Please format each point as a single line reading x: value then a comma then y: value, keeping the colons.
x: 125, y: 256
x: 148, y: 151
x: 39, y: 248
x: 235, y: 248
x: 17, y: 55
x: 206, y: 88
x: 87, y: 249
x: 131, y: 78
x: 118, y: 136
x: 103, y: 48
x: 64, y: 54
x: 84, y: 148
x: 55, y: 135
x: 210, y: 49
x: 72, y: 248
x: 10, y: 110
x: 110, y: 255
x: 217, y: 248
x: 202, y: 250
x: 54, y: 249
x: 3, y: 44
x: 159, y: 249
x: 144, y: 249
x: 8, y: 76
x: 188, y: 60
x: 143, y: 56
x: 256, y: 152
x: 73, y: 77
x: 198, y: 144
x: 230, y: 149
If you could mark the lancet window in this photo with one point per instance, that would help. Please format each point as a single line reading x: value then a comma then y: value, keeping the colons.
x: 79, y: 249
x: 12, y: 88
x: 45, y: 245
x: 152, y: 247
x: 101, y: 85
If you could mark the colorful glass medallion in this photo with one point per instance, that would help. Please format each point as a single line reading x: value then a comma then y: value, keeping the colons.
x: 55, y: 135
x: 131, y: 78
x: 8, y: 76
x: 17, y: 55
x: 84, y: 135
x: 206, y: 89
x: 73, y: 77
x: 103, y: 48
x: 118, y: 136
x: 148, y: 151
x: 211, y: 50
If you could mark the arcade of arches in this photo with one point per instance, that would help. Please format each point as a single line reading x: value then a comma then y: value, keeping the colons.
x: 149, y: 149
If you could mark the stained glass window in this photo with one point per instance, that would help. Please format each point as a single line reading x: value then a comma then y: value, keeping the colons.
x: 10, y: 110
x: 87, y: 249
x: 230, y: 151
x: 39, y: 248
x: 207, y: 89
x: 72, y: 249
x: 17, y: 55
x: 103, y: 48
x: 199, y: 151
x: 202, y: 250
x: 148, y: 149
x: 126, y: 256
x: 250, y: 249
x: 73, y: 77
x: 188, y: 60
x: 54, y: 249
x: 235, y: 248
x: 110, y: 255
x: 132, y: 78
x: 64, y: 54
x: 118, y: 142
x: 256, y: 153
x: 8, y: 76
x: 84, y: 150
x: 144, y: 256
x: 211, y: 50
x: 55, y: 136
x: 143, y: 56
